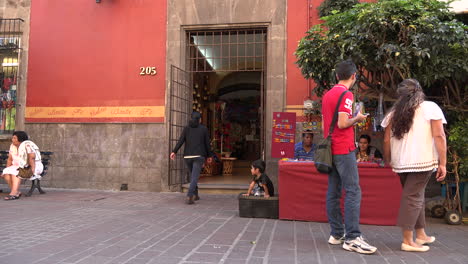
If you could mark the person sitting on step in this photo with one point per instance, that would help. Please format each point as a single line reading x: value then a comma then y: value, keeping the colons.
x: 261, y: 184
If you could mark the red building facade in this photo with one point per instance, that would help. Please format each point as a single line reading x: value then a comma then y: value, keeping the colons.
x: 99, y: 80
x: 88, y: 61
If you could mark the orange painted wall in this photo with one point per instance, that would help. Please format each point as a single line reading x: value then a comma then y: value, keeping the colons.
x: 85, y: 59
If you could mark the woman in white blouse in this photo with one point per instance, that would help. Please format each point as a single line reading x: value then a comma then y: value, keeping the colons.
x: 415, y: 146
x: 23, y: 153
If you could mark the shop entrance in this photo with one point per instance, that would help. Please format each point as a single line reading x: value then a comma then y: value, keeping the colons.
x: 227, y: 68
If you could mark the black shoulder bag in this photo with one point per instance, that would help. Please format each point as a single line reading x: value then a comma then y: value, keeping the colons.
x: 323, y: 158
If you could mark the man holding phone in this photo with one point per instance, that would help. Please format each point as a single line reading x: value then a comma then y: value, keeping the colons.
x: 345, y: 172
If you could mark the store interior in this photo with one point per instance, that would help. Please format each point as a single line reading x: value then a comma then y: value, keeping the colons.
x: 8, y: 87
x: 227, y: 82
x: 229, y: 103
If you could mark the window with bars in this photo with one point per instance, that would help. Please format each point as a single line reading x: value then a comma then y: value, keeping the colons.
x: 10, y: 45
x: 226, y: 50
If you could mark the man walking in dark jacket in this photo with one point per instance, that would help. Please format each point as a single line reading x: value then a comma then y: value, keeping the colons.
x: 197, y: 148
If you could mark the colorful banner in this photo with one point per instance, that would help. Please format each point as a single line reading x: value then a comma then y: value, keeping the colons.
x: 283, y: 135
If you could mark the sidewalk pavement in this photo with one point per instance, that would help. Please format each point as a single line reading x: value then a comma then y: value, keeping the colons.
x: 76, y: 226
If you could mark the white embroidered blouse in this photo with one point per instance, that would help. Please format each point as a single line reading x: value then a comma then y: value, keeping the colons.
x: 416, y: 151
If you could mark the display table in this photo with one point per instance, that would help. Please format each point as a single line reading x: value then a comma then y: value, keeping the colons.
x: 303, y: 193
x: 211, y: 168
x: 228, y: 164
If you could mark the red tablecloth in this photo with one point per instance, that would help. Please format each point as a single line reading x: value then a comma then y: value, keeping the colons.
x: 303, y: 192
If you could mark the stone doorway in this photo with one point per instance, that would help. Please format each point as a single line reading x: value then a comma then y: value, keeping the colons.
x: 227, y: 67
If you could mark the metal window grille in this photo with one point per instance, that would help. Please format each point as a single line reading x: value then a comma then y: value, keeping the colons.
x: 180, y: 108
x: 10, y: 46
x: 226, y: 50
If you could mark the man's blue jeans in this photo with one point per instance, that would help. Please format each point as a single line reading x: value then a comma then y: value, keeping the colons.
x: 344, y: 175
x: 195, y: 166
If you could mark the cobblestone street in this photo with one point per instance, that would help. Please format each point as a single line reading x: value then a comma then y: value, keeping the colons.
x: 67, y: 226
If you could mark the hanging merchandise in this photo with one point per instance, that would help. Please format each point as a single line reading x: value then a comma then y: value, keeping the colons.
x: 380, y: 114
x: 2, y: 77
x: 2, y: 118
x: 374, y: 124
x: 205, y: 84
x: 10, y: 115
x: 219, y: 129
x: 7, y: 82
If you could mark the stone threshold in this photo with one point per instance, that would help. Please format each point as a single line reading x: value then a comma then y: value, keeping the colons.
x: 212, y: 188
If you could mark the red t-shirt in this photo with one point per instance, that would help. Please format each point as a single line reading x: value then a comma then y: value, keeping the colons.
x: 342, y: 139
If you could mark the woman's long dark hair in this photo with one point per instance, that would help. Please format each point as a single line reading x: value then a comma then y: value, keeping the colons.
x: 410, y: 96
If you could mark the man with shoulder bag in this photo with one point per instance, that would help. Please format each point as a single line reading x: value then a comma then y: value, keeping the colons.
x: 337, y: 118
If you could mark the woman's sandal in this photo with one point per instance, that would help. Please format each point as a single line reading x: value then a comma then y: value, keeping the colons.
x: 11, y: 197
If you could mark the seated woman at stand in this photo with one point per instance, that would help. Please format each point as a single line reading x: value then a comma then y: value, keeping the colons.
x: 366, y: 152
x: 23, y: 153
x: 304, y: 150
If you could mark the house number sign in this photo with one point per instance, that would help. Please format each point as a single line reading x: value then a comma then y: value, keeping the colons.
x: 148, y: 71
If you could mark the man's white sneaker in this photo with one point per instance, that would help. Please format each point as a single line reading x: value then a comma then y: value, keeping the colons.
x: 333, y: 241
x: 359, y: 245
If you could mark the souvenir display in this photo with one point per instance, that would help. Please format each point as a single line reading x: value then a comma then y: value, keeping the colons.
x: 283, y: 135
x: 8, y: 84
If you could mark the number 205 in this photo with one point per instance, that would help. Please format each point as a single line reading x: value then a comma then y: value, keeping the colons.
x: 148, y: 71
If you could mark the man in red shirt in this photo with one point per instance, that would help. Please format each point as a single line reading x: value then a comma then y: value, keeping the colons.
x: 345, y: 172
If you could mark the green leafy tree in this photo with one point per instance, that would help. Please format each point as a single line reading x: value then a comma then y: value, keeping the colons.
x: 328, y: 7
x: 458, y: 146
x: 392, y: 40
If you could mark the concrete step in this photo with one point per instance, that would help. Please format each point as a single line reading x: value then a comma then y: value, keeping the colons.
x: 210, y: 188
